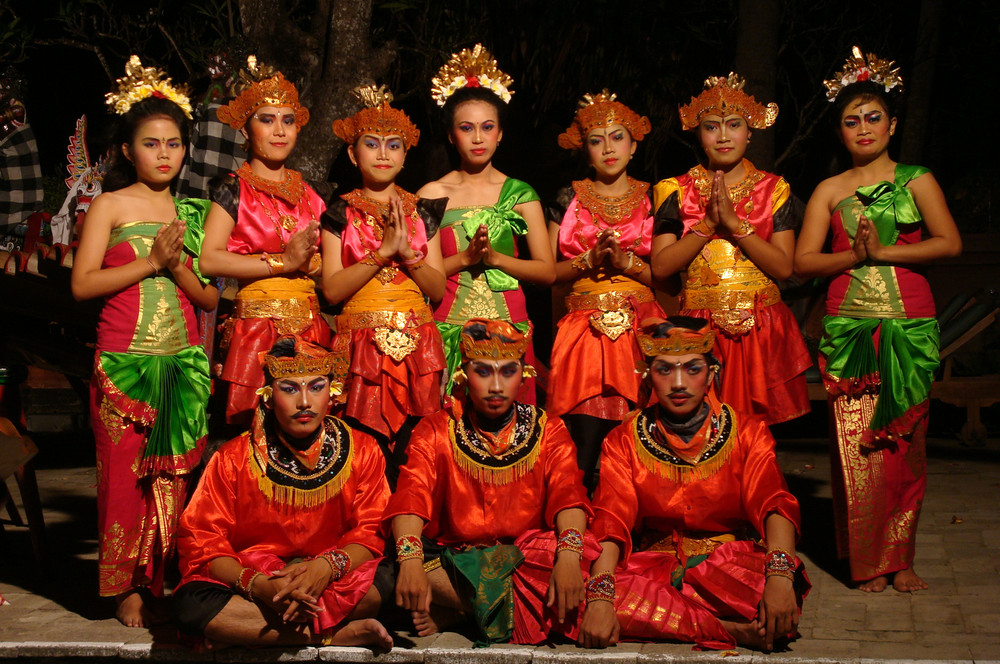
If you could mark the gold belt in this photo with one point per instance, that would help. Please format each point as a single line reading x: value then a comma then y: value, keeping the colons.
x: 718, y: 299
x: 684, y: 545
x: 397, y: 320
x: 614, y: 313
x: 395, y: 333
x: 610, y: 301
x: 276, y: 308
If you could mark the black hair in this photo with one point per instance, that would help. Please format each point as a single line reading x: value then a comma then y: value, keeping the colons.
x: 463, y: 95
x: 121, y: 171
x: 284, y: 347
x: 862, y: 92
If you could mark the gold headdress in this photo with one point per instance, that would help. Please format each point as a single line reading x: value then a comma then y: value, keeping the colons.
x: 493, y: 347
x: 474, y: 69
x: 679, y: 340
x: 725, y: 96
x: 857, y: 70
x: 260, y: 85
x: 378, y: 118
x: 142, y: 82
x: 310, y: 360
x: 601, y: 110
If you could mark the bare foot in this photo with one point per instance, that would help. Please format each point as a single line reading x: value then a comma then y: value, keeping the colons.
x: 438, y: 619
x: 906, y: 580
x: 132, y: 610
x: 875, y: 585
x: 746, y: 634
x: 423, y: 623
x: 367, y: 632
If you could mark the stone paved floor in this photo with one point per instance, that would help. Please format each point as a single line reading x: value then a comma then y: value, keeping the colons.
x: 958, y: 619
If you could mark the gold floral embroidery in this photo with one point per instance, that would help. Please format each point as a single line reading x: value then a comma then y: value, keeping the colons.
x: 479, y: 303
x: 112, y: 421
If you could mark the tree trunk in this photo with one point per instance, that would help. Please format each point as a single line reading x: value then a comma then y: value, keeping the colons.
x: 921, y: 83
x: 756, y: 61
x: 332, y: 55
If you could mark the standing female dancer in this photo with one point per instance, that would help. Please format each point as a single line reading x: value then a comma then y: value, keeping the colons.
x: 486, y: 209
x: 150, y: 386
x: 381, y: 256
x: 732, y: 227
x: 879, y: 348
x: 263, y: 230
x: 601, y: 241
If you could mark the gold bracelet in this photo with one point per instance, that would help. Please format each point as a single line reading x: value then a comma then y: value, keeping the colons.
x: 636, y: 266
x: 582, y: 262
x: 156, y: 270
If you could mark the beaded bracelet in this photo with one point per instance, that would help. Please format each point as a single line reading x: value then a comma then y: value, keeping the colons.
x: 779, y: 563
x: 570, y: 539
x: 601, y: 588
x: 339, y: 561
x: 408, y: 547
x: 244, y: 582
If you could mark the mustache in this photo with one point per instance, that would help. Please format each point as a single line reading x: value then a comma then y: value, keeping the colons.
x: 306, y: 412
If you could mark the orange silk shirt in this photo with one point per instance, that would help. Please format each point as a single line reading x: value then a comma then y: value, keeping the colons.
x: 459, y: 509
x: 741, y: 491
x: 229, y: 513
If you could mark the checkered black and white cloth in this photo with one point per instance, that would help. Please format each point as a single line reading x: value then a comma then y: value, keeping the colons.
x: 215, y: 150
x: 21, y: 193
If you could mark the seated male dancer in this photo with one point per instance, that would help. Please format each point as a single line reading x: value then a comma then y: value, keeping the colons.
x: 280, y: 542
x: 696, y: 523
x: 484, y: 477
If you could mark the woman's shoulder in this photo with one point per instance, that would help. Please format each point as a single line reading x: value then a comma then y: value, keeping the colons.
x: 834, y: 189
x: 442, y: 187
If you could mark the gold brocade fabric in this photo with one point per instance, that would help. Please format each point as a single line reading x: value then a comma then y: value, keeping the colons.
x: 393, y: 310
x: 724, y: 281
x: 687, y: 545
x: 611, y: 298
x: 290, y: 303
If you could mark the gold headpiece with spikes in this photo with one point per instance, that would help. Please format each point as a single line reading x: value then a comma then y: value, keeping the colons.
x: 679, y: 340
x: 378, y: 118
x: 856, y: 70
x: 493, y: 347
x: 474, y: 68
x: 724, y: 96
x: 602, y: 110
x: 260, y: 85
x: 143, y: 82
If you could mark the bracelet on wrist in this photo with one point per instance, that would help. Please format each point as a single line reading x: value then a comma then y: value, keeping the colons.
x: 339, y: 561
x: 570, y: 539
x: 636, y: 266
x: 156, y: 270
x: 702, y: 229
x: 779, y: 563
x: 244, y: 582
x: 418, y: 257
x: 601, y: 588
x: 582, y: 262
x: 409, y: 547
x: 745, y: 230
x: 275, y: 262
